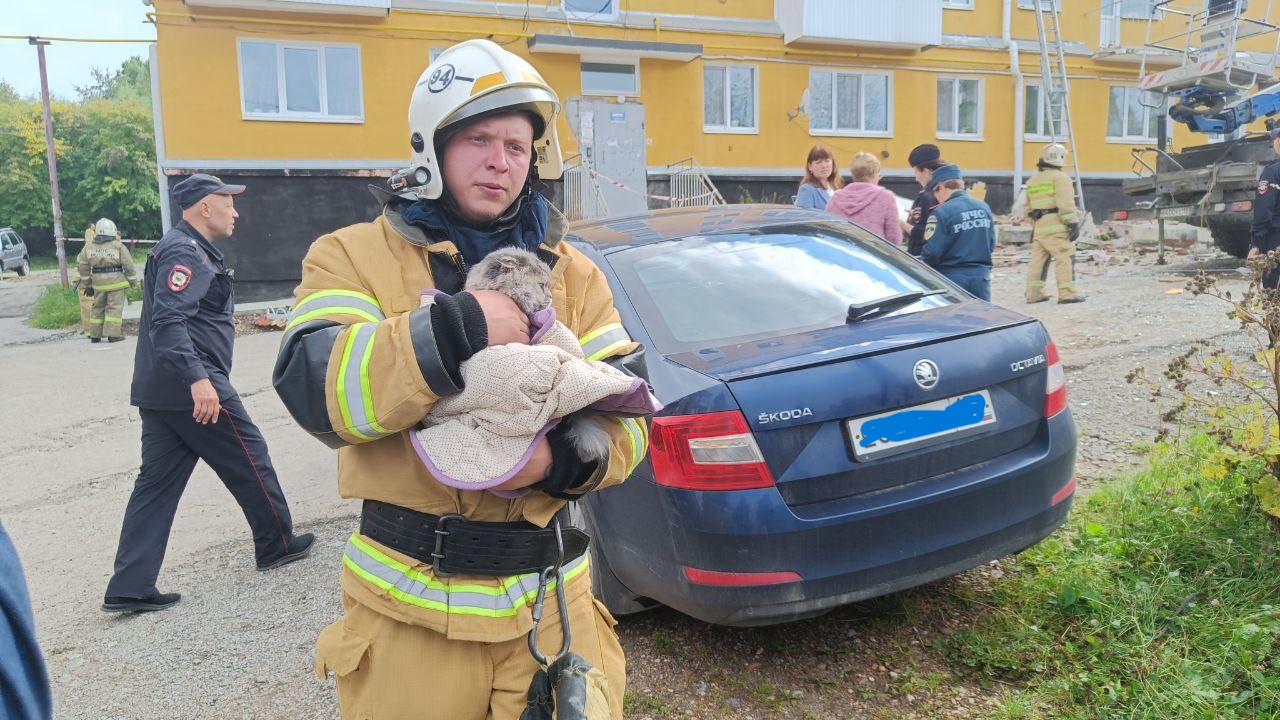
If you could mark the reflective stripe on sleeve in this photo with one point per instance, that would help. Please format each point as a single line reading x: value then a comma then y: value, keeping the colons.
x: 335, y: 302
x: 414, y: 587
x: 355, y: 397
x: 603, y: 341
x: 639, y: 441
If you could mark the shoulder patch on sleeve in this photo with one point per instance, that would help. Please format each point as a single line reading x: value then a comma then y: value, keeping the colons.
x: 179, y: 278
x: 1262, y: 187
x: 930, y: 227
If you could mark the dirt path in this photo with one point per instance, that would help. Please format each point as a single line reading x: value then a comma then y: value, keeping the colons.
x: 240, y: 643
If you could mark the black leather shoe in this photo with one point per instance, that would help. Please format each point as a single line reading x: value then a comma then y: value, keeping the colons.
x: 95, y: 339
x: 159, y: 601
x: 299, y: 547
x: 115, y: 338
x: 1070, y: 300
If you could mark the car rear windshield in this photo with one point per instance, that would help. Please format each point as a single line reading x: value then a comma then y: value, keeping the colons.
x: 723, y: 289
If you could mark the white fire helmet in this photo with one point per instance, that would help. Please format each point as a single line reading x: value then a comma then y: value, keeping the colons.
x: 471, y: 79
x: 105, y: 227
x: 1055, y: 155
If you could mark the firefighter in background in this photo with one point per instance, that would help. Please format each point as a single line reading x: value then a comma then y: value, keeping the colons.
x: 106, y: 274
x: 81, y: 287
x: 438, y: 613
x: 1055, y: 225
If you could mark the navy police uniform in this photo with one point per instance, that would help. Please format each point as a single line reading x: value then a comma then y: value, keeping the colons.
x: 920, y: 209
x: 959, y: 238
x: 1265, y: 232
x: 185, y: 335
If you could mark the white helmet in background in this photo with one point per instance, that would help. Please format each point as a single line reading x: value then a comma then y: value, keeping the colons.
x: 1055, y: 155
x: 105, y: 227
x: 471, y: 79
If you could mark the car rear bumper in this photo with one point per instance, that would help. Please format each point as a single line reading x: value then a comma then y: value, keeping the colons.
x: 854, y: 549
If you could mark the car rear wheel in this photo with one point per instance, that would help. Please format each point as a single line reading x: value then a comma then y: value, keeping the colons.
x: 24, y: 268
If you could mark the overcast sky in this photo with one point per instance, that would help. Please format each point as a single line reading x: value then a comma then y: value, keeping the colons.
x: 69, y: 62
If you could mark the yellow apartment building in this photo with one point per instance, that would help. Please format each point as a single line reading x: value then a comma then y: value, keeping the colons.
x: 305, y: 100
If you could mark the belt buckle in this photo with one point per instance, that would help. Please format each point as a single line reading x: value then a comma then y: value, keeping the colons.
x: 441, y: 532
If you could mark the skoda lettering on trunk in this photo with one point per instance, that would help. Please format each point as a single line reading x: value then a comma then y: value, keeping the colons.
x: 765, y: 418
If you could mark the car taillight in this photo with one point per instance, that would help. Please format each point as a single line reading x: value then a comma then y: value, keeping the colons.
x: 1055, y: 386
x: 710, y: 451
x: 1120, y: 215
x: 1242, y: 206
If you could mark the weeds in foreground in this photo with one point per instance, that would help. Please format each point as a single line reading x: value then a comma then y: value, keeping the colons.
x: 1196, y: 379
x: 1159, y: 599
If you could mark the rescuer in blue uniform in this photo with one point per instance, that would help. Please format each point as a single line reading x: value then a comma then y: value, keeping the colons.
x: 1264, y: 235
x: 959, y: 234
x: 188, y: 407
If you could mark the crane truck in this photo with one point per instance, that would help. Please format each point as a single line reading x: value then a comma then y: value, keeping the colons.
x: 1217, y: 90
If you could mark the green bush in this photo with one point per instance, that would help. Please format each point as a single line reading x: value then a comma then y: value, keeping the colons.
x: 59, y: 307
x: 1159, y: 599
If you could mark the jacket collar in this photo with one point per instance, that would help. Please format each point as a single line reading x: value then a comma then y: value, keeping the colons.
x: 557, y: 223
x: 190, y: 231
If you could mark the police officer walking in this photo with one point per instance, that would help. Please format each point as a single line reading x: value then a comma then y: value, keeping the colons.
x: 1055, y: 226
x: 960, y: 234
x: 1264, y: 235
x: 188, y: 407
x: 106, y: 273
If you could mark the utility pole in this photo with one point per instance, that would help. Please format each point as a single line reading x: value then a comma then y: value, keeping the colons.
x: 60, y: 241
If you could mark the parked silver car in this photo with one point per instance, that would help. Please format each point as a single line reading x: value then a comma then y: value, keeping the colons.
x: 13, y: 253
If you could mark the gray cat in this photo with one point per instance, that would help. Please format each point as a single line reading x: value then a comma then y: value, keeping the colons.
x: 520, y: 275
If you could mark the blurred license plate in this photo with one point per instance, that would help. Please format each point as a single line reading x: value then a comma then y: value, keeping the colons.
x: 901, y: 430
x: 1181, y: 211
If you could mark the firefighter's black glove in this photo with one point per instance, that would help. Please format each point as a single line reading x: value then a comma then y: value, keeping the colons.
x: 1073, y: 231
x: 88, y: 291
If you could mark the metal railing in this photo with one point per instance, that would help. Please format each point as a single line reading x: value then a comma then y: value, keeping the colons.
x: 690, y: 186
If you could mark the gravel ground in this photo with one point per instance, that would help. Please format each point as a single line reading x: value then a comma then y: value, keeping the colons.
x: 239, y: 645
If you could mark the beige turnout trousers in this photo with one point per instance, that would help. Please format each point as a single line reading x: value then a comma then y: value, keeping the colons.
x: 445, y: 679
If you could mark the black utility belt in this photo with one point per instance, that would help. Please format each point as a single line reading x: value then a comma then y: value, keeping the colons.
x: 452, y: 544
x: 1037, y: 214
x: 110, y: 268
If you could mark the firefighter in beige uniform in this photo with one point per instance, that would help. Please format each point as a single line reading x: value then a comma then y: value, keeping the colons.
x: 86, y: 301
x: 1051, y: 206
x: 106, y: 273
x: 438, y: 604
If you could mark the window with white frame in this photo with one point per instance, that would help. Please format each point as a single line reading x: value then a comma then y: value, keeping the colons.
x: 960, y: 107
x: 590, y: 9
x: 1133, y: 114
x: 1133, y: 9
x: 958, y: 4
x: 729, y: 98
x: 1039, y: 110
x: 300, y: 81
x: 852, y: 103
x: 599, y: 78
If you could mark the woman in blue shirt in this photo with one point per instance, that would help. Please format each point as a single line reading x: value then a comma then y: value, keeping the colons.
x: 821, y: 179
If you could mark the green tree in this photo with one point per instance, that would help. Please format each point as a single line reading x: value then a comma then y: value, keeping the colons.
x: 130, y: 83
x: 8, y: 94
x: 106, y: 161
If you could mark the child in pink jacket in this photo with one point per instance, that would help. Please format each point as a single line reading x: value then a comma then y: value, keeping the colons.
x: 866, y: 203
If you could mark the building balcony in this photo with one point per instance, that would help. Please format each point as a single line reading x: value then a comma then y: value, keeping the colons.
x: 902, y: 24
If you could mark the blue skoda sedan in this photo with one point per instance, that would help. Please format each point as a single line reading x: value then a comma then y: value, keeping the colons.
x: 840, y: 421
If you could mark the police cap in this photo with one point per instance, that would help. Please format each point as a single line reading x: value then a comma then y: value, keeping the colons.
x: 194, y: 189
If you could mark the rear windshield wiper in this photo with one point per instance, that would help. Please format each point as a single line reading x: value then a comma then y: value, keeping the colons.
x: 885, y: 305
